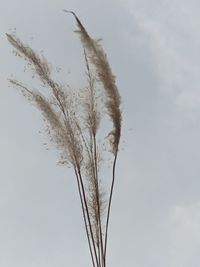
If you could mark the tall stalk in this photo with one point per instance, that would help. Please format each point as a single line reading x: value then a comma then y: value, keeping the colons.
x: 98, y: 202
x: 109, y: 207
x: 85, y: 220
x: 88, y: 215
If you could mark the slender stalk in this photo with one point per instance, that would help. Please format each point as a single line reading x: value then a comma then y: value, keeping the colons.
x: 88, y: 215
x: 94, y: 160
x: 98, y: 201
x: 109, y: 207
x: 92, y: 156
x: 84, y: 216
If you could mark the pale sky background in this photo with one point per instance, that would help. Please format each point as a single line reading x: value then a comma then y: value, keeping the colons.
x: 153, y: 48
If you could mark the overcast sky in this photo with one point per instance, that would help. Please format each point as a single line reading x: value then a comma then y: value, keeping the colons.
x: 153, y: 48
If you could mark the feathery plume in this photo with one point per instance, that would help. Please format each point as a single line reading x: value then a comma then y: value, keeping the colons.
x: 99, y: 60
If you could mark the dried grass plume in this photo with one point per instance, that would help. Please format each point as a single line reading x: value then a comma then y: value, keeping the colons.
x: 73, y: 125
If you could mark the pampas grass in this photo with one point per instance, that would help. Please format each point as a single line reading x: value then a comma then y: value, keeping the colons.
x: 73, y: 123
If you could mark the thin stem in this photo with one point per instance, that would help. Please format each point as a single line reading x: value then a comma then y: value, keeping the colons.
x: 109, y: 206
x: 85, y: 220
x: 94, y: 160
x: 91, y: 158
x: 88, y: 215
x: 98, y: 200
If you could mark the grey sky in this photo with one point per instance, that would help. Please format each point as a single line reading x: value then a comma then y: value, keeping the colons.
x: 153, y: 48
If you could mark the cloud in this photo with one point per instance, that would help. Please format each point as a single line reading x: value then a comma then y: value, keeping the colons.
x: 172, y: 31
x: 184, y: 229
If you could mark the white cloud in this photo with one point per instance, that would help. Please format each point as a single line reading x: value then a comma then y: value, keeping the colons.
x: 184, y: 225
x: 171, y: 28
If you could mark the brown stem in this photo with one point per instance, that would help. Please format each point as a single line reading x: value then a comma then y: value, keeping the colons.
x: 91, y: 157
x: 109, y: 206
x: 85, y: 220
x: 88, y: 215
x: 98, y: 201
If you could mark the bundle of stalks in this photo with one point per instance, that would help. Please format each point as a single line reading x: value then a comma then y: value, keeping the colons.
x: 75, y: 136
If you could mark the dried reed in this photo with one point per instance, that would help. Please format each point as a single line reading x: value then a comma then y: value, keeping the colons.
x: 75, y: 136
